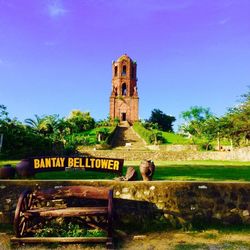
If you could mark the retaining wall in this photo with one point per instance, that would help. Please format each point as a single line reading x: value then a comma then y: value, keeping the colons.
x: 139, y: 204
x: 242, y: 154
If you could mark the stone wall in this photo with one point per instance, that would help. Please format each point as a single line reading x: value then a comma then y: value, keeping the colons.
x: 173, y: 147
x: 139, y: 204
x: 242, y: 154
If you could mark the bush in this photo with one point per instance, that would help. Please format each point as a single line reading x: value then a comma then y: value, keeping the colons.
x: 143, y: 132
x: 111, y: 135
x: 206, y: 146
x: 70, y: 229
x: 157, y: 138
x: 20, y: 141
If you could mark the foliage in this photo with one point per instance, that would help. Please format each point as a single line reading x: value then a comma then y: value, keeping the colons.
x: 195, y: 119
x: 104, y: 123
x: 116, y: 121
x: 234, y: 125
x: 20, y: 141
x: 110, y: 136
x: 150, y: 125
x: 3, y: 112
x: 143, y: 132
x: 44, y: 125
x: 157, y: 138
x: 45, y: 135
x: 201, y: 124
x: 70, y: 229
x: 237, y: 122
x: 102, y: 134
x: 148, y: 131
x: 164, y: 122
x: 80, y: 121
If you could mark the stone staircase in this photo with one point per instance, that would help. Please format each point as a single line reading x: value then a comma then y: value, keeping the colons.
x: 126, y: 138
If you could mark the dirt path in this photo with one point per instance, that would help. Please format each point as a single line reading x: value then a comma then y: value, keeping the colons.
x: 174, y: 240
x: 211, y: 240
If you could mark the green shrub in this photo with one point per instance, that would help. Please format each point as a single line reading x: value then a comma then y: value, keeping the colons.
x: 146, y: 134
x: 205, y: 146
x: 111, y: 135
x: 70, y: 229
x: 157, y: 137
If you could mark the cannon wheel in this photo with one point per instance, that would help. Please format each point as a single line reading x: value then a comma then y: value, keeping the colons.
x: 21, y: 221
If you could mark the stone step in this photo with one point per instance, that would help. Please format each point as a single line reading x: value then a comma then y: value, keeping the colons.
x: 126, y: 138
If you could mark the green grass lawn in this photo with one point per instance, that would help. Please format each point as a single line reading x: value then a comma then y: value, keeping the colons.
x: 12, y: 162
x: 172, y: 138
x: 200, y: 170
x: 165, y: 170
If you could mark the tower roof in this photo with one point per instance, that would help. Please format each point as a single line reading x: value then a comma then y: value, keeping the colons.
x: 124, y: 57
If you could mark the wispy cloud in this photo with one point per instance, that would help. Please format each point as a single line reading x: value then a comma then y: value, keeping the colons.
x: 4, y: 63
x: 56, y: 9
x: 224, y: 21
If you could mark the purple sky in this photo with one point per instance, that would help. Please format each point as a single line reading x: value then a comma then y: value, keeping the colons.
x: 56, y: 56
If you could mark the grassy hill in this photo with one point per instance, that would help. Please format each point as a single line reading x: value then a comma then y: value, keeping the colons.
x: 168, y: 138
x: 90, y: 137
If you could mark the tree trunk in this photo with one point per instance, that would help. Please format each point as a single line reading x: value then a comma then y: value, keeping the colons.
x: 218, y: 141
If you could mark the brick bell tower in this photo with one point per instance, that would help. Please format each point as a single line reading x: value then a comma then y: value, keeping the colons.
x: 124, y: 100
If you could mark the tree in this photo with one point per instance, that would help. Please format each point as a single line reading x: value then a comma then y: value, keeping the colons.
x: 3, y: 112
x: 237, y: 122
x: 200, y: 123
x: 80, y: 121
x: 19, y: 140
x: 195, y: 118
x: 210, y: 131
x: 46, y: 125
x: 163, y: 121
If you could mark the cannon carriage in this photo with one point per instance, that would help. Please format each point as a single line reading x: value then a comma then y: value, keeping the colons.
x: 34, y: 208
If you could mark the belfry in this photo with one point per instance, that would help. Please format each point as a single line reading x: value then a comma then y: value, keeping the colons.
x: 124, y: 100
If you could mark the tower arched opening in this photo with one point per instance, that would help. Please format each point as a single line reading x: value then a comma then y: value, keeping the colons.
x: 124, y: 89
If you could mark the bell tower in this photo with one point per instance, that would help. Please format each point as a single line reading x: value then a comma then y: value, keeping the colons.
x: 124, y: 100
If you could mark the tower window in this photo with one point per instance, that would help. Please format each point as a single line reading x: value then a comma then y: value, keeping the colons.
x: 124, y: 89
x: 115, y: 70
x: 124, y: 69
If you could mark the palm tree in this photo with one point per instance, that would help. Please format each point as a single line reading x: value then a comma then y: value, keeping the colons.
x: 43, y: 125
x: 35, y: 124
